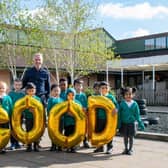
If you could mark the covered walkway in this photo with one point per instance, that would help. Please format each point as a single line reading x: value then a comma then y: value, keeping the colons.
x: 154, y: 63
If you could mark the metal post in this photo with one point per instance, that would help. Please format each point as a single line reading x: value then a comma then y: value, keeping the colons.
x: 153, y: 83
x: 122, y: 77
x: 143, y: 84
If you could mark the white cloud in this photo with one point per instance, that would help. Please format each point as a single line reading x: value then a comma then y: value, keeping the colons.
x: 138, y: 11
x: 136, y: 33
x: 140, y: 32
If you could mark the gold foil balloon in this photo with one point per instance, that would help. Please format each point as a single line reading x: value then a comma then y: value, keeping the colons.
x: 36, y: 132
x: 55, y: 117
x: 4, y: 132
x: 99, y: 139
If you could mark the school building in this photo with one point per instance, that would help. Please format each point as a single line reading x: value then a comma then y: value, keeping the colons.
x: 142, y: 62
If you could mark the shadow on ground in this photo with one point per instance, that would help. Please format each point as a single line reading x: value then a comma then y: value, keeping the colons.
x: 45, y: 158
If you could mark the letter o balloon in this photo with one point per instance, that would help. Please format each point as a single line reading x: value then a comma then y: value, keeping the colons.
x: 99, y: 139
x: 38, y: 120
x: 4, y: 132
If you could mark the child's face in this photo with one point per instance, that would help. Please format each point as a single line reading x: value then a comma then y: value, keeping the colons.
x: 104, y: 90
x: 31, y: 92
x: 96, y: 90
x: 70, y: 96
x: 78, y: 87
x: 3, y: 88
x: 17, y: 85
x: 128, y: 96
x: 63, y: 85
x: 55, y: 92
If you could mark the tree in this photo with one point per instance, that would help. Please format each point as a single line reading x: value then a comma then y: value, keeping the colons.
x: 8, y: 12
x: 62, y: 29
x: 83, y: 49
x: 20, y: 35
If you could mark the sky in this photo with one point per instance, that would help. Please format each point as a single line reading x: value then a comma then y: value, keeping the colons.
x: 128, y: 18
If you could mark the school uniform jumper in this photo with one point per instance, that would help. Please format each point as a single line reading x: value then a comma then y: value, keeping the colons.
x: 14, y: 96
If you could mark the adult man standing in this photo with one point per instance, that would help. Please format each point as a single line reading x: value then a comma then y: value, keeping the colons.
x: 40, y: 77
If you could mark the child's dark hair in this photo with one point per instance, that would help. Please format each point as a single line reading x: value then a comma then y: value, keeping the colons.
x: 79, y: 81
x: 63, y: 80
x: 54, y: 86
x: 96, y: 84
x: 17, y: 80
x: 103, y: 83
x: 127, y: 89
x: 30, y: 85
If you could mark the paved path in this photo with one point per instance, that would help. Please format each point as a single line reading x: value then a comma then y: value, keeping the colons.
x: 147, y: 154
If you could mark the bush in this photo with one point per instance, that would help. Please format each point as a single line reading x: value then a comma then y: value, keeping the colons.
x: 89, y: 92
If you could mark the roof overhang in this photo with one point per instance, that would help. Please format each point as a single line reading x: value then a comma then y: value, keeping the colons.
x: 139, y: 64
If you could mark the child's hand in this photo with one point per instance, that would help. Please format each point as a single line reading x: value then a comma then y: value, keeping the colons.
x: 114, y: 111
x: 85, y: 110
x: 142, y: 128
x: 31, y: 110
x: 69, y: 113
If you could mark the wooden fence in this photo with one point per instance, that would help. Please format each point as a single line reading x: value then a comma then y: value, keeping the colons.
x: 153, y: 98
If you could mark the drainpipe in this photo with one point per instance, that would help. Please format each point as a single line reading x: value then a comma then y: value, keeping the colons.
x: 107, y: 74
x: 143, y: 84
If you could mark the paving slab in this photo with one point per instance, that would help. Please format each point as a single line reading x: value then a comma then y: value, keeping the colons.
x: 147, y: 154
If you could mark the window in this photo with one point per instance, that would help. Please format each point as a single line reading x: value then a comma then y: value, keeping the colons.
x: 160, y: 42
x: 108, y: 42
x: 22, y: 37
x: 12, y: 36
x: 101, y: 77
x: 149, y: 44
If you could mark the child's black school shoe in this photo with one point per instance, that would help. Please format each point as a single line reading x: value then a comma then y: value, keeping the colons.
x: 130, y: 152
x: 17, y: 146
x: 71, y: 150
x: 86, y: 144
x: 100, y: 149
x: 12, y: 147
x: 125, y: 152
x: 59, y: 149
x: 109, y: 151
x: 29, y: 148
x: 3, y: 151
x: 53, y: 148
x: 36, y: 149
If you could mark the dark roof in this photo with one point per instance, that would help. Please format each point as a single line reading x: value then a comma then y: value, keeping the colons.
x: 145, y: 37
x: 145, y: 53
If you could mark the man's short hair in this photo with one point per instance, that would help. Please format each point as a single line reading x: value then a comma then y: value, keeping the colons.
x: 38, y: 54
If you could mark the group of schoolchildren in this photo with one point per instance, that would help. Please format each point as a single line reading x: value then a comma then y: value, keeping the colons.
x: 127, y: 111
